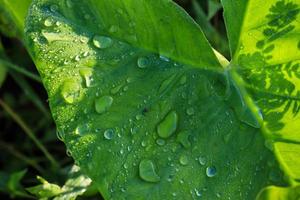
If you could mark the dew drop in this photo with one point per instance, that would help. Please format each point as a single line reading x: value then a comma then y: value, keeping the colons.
x: 147, y: 171
x: 184, y: 160
x: 164, y: 58
x: 102, y: 42
x: 86, y: 73
x: 109, y: 134
x: 183, y: 80
x: 190, y: 111
x: 211, y: 171
x: 48, y: 22
x: 103, y: 104
x: 202, y: 160
x: 160, y: 142
x: 70, y: 91
x: 143, y: 62
x: 168, y: 126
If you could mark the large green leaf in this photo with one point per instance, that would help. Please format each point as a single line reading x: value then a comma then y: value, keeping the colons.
x: 267, y: 58
x: 143, y: 104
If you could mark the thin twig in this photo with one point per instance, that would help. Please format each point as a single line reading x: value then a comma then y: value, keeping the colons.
x: 20, y: 70
x: 28, y: 131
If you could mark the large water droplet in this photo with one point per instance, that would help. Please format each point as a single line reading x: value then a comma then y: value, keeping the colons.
x: 86, y: 73
x: 183, y: 139
x: 70, y: 91
x: 211, y: 171
x: 184, y: 160
x: 143, y: 62
x: 168, y: 126
x: 102, y: 42
x: 147, y: 171
x: 48, y: 22
x: 103, y: 104
x: 109, y: 134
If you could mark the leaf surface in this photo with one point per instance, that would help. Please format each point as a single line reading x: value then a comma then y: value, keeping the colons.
x: 267, y: 54
x: 142, y: 103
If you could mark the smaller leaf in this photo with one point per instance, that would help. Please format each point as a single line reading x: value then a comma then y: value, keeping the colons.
x: 76, y: 185
x: 45, y: 190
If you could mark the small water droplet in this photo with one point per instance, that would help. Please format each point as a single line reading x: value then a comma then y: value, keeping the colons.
x: 202, y: 160
x: 168, y: 126
x: 160, y: 142
x: 183, y: 80
x: 102, y: 42
x: 211, y: 171
x: 164, y: 58
x: 54, y: 8
x: 143, y: 62
x: 109, y: 134
x: 190, y: 111
x: 103, y: 104
x: 147, y: 171
x: 48, y: 22
x: 183, y: 160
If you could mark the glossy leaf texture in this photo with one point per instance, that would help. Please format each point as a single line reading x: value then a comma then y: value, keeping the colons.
x: 143, y: 104
x: 267, y: 57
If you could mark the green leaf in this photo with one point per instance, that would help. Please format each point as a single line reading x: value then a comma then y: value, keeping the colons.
x: 11, y: 183
x: 143, y: 104
x: 76, y: 185
x: 45, y: 190
x: 267, y: 58
x: 279, y: 193
x: 12, y: 16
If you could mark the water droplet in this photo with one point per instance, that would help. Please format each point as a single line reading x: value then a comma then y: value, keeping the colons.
x: 190, y: 111
x: 211, y: 171
x: 70, y: 91
x: 102, y: 42
x: 168, y: 126
x: 183, y: 80
x: 103, y: 104
x: 48, y: 22
x: 147, y: 171
x: 160, y: 142
x: 109, y: 134
x: 164, y: 58
x: 198, y: 193
x: 69, y: 3
x: 86, y: 73
x: 81, y: 129
x: 183, y: 139
x: 184, y: 160
x: 113, y: 29
x: 202, y: 160
x: 143, y: 62
x: 54, y: 8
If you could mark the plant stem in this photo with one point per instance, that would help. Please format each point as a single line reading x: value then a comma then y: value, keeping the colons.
x: 20, y: 70
x: 29, y: 132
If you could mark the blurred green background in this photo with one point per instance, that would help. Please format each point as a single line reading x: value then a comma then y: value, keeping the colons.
x: 28, y: 141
